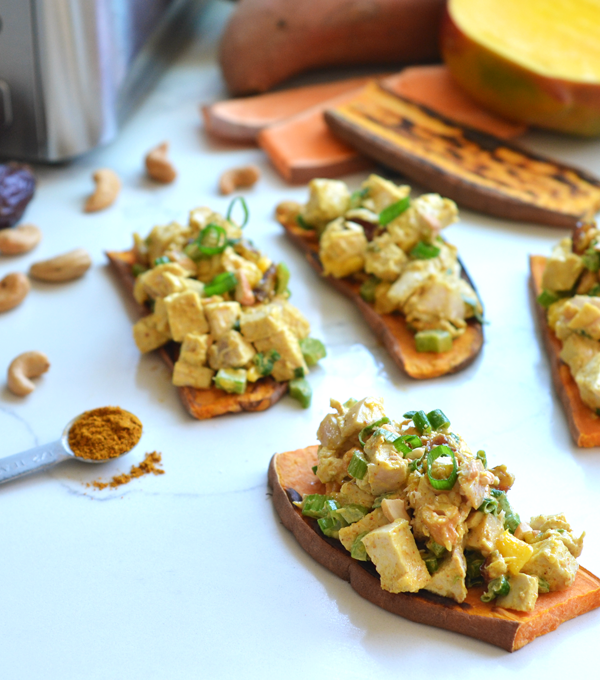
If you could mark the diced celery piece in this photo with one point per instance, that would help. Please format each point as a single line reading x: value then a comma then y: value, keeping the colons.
x: 312, y: 350
x: 433, y: 341
x: 231, y: 380
x: 301, y: 390
x: 313, y: 505
x: 352, y: 513
x: 283, y: 278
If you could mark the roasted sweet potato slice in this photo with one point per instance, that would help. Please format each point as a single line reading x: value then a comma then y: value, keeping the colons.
x: 202, y: 404
x: 392, y: 329
x: 290, y: 474
x: 477, y: 170
x: 584, y: 424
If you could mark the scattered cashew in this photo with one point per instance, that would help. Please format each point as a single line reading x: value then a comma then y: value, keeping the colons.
x: 25, y: 366
x: 238, y: 178
x: 159, y: 166
x: 13, y: 290
x: 108, y: 186
x: 19, y: 240
x: 65, y: 267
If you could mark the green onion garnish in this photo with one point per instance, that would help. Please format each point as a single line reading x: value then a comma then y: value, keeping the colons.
x: 244, y: 208
x: 433, y: 341
x: 313, y: 350
x: 138, y: 269
x: 357, y: 196
x: 301, y: 222
x: 412, y: 440
x: 482, y: 457
x: 386, y: 434
x: 212, y: 240
x: 299, y: 372
x: 367, y: 431
x: 409, y: 414
x: 474, y: 561
x: 591, y: 259
x: 421, y: 422
x: 489, y: 506
x: 264, y: 362
x: 437, y: 549
x: 222, y: 283
x: 547, y: 298
x: 442, y: 484
x: 283, y: 278
x: 161, y: 260
x: 314, y: 468
x: 394, y: 210
x: 401, y: 447
x: 498, y: 587
x: 358, y: 551
x: 424, y: 251
x: 543, y: 586
x: 357, y: 467
x: 511, y: 518
x: 438, y: 420
x: 367, y: 289
x: 431, y: 561
x: 300, y: 390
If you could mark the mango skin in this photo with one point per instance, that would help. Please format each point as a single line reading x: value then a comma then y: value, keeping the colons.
x: 515, y: 92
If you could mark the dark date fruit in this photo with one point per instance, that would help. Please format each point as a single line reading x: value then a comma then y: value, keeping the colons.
x: 17, y: 186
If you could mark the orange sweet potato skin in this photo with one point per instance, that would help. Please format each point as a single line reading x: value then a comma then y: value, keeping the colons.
x: 202, y: 404
x: 268, y: 41
x: 392, y: 329
x: 584, y: 424
x: 509, y: 630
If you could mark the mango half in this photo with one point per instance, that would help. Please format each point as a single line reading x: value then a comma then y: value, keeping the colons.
x: 532, y: 61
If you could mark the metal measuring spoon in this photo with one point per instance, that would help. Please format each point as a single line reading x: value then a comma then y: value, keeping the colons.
x: 44, y: 457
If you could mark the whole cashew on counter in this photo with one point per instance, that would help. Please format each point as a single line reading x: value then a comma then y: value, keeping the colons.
x: 22, y: 368
x: 108, y: 186
x: 19, y: 239
x: 13, y: 290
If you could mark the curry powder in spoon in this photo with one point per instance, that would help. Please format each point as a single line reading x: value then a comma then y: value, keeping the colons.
x: 104, y: 433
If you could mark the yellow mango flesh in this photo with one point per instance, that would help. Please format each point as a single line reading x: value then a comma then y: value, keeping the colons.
x: 516, y: 553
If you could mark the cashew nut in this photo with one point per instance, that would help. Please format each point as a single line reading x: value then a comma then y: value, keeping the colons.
x: 108, y: 186
x: 159, y: 166
x: 65, y: 267
x: 238, y: 178
x: 13, y: 290
x: 25, y: 366
x: 287, y: 212
x: 19, y: 240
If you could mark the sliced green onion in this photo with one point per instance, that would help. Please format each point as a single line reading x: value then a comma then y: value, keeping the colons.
x: 442, y: 484
x: 244, y: 208
x: 431, y: 561
x: 394, y: 210
x: 283, y: 278
x: 357, y: 467
x: 222, y: 283
x: 301, y: 222
x: 409, y: 414
x: 138, y: 269
x: 482, y: 457
x: 547, y: 298
x: 421, y: 422
x: 264, y: 362
x: 314, y: 468
x: 358, y: 550
x: 438, y: 419
x: 412, y: 440
x: 591, y: 260
x: 433, y: 341
x: 313, y: 350
x: 301, y: 390
x: 299, y: 372
x: 357, y: 196
x: 437, y: 549
x: 367, y: 431
x: 352, y: 513
x: 212, y: 240
x: 498, y: 587
x: 416, y: 464
x: 314, y: 506
x: 489, y: 506
x: 232, y: 380
x: 401, y: 447
x: 379, y: 499
x: 543, y: 585
x: 474, y: 561
x: 161, y: 260
x: 386, y: 434
x: 424, y: 251
x: 367, y: 289
x: 511, y: 518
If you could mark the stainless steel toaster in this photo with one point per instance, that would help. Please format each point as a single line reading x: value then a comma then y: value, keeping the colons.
x: 71, y: 70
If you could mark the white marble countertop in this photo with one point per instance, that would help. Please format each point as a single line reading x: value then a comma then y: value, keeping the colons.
x: 191, y: 574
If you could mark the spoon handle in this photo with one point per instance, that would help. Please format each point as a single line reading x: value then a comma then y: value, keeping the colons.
x: 34, y: 460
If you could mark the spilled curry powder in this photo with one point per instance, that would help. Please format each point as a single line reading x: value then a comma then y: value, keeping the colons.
x: 104, y: 433
x: 148, y: 466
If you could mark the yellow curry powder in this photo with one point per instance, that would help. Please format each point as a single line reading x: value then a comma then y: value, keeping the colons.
x: 146, y: 467
x: 104, y: 433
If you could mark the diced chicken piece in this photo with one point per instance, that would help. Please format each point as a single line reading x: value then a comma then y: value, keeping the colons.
x: 288, y: 347
x: 293, y: 318
x: 555, y: 312
x: 546, y: 522
x: 221, y: 317
x: 563, y: 267
x: 183, y: 260
x: 434, y: 213
x: 163, y: 280
x: 185, y: 315
x: 165, y: 237
x: 387, y: 470
x: 342, y: 248
x: 553, y: 562
x: 361, y: 215
x: 557, y: 526
x: 383, y: 303
x: 484, y: 531
x: 474, y: 481
x: 331, y: 468
x: 394, y: 553
x: 328, y: 200
x: 578, y: 351
x: 208, y: 267
x: 330, y: 431
x: 139, y: 292
x: 194, y: 349
x: 588, y: 382
x: 261, y: 322
x: 494, y: 566
x: 523, y: 594
x: 232, y: 262
x: 394, y: 508
x: 413, y: 276
x: 361, y: 414
x: 230, y: 351
x: 351, y: 494
x: 195, y: 285
x: 162, y: 319
x: 381, y: 193
x: 192, y: 375
x: 384, y: 259
x: 146, y: 335
x: 449, y: 579
x: 369, y: 522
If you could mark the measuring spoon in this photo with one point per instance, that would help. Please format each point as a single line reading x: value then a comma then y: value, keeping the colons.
x: 44, y: 457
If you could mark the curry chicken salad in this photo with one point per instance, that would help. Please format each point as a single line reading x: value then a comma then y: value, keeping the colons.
x: 227, y: 304
x: 391, y: 243
x: 412, y: 497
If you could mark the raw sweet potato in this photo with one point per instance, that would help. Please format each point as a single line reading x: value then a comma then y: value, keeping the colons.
x: 291, y: 475
x: 268, y: 41
x: 202, y: 404
x: 477, y: 170
x: 392, y: 329
x: 584, y: 424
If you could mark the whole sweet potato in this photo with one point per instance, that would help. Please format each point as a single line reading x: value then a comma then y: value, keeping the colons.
x: 269, y: 41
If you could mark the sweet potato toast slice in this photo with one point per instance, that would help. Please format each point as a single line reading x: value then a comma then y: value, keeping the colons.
x: 201, y: 404
x: 290, y: 475
x: 477, y: 170
x: 392, y: 329
x: 584, y: 424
